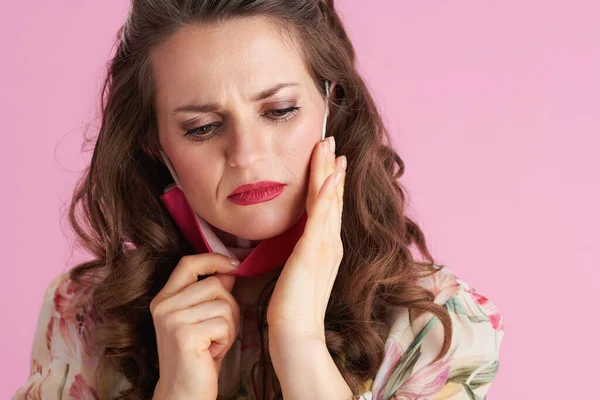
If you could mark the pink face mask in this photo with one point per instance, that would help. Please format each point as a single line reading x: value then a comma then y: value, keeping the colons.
x: 270, y: 254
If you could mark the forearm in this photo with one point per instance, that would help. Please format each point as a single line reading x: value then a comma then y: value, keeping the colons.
x: 306, y: 370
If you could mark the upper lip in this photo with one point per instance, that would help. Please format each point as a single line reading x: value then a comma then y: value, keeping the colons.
x: 254, y: 186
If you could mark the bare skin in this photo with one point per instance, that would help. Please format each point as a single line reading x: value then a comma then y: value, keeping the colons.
x: 248, y: 140
x: 247, y: 289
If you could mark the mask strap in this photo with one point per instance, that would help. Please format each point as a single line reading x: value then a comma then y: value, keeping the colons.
x: 326, y: 109
x: 170, y: 166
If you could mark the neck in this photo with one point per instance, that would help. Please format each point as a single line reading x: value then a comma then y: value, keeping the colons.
x: 246, y: 290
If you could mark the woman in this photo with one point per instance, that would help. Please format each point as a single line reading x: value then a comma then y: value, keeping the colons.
x: 203, y: 99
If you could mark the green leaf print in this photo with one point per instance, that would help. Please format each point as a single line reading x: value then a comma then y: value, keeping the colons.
x: 456, y: 306
x: 484, y: 376
x: 61, y: 388
x: 407, y: 362
x: 472, y: 395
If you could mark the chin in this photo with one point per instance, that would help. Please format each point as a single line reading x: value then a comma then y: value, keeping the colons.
x: 260, y: 227
x: 263, y: 225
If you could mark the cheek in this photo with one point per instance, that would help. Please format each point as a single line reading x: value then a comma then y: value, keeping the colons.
x: 297, y: 148
x: 198, y: 173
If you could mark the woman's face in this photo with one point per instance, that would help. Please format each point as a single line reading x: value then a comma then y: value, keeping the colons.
x: 218, y: 135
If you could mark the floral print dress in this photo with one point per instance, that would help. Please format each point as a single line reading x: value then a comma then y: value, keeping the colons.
x: 62, y: 366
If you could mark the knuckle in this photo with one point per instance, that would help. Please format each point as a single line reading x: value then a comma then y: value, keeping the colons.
x: 186, y: 264
x: 185, y: 261
x: 223, y: 306
x: 157, y: 309
x: 222, y: 326
x: 212, y: 283
x: 152, y: 305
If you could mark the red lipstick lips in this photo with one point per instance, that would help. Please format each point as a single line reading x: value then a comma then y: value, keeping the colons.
x: 257, y: 192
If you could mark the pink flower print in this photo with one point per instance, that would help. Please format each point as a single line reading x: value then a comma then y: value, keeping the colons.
x: 36, y: 383
x: 490, y: 309
x: 36, y: 368
x: 425, y: 382
x: 392, y: 355
x: 80, y: 390
x: 72, y: 327
x: 70, y: 344
x: 72, y: 300
x: 442, y: 284
x: 65, y: 344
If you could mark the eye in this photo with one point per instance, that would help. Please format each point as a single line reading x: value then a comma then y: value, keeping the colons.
x: 206, y: 132
x: 287, y: 113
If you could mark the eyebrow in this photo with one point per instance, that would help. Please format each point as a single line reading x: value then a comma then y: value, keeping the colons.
x: 265, y: 94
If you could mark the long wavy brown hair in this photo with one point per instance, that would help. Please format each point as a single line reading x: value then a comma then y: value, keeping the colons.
x: 118, y: 217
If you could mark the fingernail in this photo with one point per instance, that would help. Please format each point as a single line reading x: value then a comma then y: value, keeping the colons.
x: 344, y: 162
x: 332, y: 144
x: 234, y: 262
x: 324, y: 146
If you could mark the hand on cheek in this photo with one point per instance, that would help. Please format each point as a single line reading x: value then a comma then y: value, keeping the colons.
x: 299, y: 300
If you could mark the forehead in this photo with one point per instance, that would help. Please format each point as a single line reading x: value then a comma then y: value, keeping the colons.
x: 247, y: 54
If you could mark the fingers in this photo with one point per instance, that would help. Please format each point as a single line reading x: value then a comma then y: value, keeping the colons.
x: 206, y: 290
x: 343, y: 165
x: 190, y: 267
x: 335, y: 212
x: 206, y: 307
x: 317, y: 172
x: 341, y: 196
x: 329, y: 164
x: 322, y: 165
x: 319, y: 214
x: 206, y: 311
x: 213, y: 334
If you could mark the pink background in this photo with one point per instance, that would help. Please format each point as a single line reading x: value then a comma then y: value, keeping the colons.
x: 494, y: 108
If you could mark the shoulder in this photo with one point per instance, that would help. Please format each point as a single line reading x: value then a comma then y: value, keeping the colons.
x: 62, y: 358
x: 67, y: 306
x: 470, y: 365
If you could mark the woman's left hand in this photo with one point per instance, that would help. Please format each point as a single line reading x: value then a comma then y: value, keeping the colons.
x: 299, y: 300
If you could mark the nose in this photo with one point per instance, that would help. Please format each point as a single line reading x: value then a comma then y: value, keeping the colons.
x: 247, y: 144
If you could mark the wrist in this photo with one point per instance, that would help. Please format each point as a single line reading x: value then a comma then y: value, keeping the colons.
x: 161, y: 392
x: 296, y: 337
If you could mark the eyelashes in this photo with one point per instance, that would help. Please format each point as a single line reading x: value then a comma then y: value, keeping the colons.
x: 207, y: 132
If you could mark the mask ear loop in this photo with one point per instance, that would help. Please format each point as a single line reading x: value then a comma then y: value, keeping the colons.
x: 326, y: 109
x: 170, y: 167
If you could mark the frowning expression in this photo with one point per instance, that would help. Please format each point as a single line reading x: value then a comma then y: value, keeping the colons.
x: 235, y: 104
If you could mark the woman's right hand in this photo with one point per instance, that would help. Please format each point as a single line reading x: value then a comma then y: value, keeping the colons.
x: 196, y: 323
